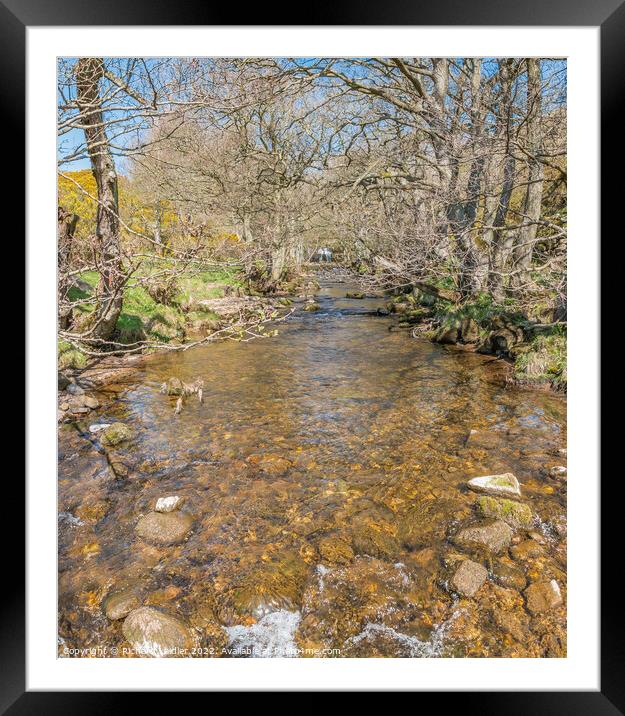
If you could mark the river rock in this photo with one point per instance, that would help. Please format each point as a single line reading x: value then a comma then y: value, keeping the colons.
x: 90, y: 402
x: 154, y: 633
x: 494, y: 537
x: 119, y: 604
x: 74, y: 389
x: 447, y: 335
x: 514, y: 513
x: 169, y: 504
x: 115, y: 434
x: 543, y: 596
x: 469, y: 330
x: 509, y: 576
x: 97, y: 427
x: 335, y: 551
x: 173, y: 386
x: 354, y: 294
x: 312, y: 307
x: 120, y: 469
x: 528, y: 549
x: 505, y: 484
x: 271, y: 463
x: 468, y: 578
x: 559, y: 472
x: 63, y: 381
x: 164, y: 528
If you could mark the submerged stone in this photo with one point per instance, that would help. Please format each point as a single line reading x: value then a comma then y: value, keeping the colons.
x: 494, y: 537
x: 505, y: 484
x: 154, y: 633
x: 119, y: 604
x: 173, y: 386
x: 334, y: 551
x: 509, y: 576
x: 559, y: 472
x: 164, y: 528
x: 515, y: 514
x: 527, y: 549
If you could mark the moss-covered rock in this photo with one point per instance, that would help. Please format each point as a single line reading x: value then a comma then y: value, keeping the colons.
x: 115, y: 434
x: 514, y: 513
x: 311, y: 307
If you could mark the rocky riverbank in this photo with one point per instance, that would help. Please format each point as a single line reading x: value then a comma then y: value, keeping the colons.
x: 535, y: 351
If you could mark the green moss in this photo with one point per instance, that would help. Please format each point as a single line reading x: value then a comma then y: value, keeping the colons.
x: 115, y: 434
x: 70, y: 357
x: 514, y: 513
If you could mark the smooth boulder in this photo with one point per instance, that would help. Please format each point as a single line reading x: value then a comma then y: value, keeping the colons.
x: 154, y: 633
x: 119, y: 604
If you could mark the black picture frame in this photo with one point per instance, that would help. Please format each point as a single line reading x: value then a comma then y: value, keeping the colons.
x: 17, y: 15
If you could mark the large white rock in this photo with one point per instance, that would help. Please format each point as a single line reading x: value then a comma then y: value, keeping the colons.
x: 169, y: 504
x: 505, y: 484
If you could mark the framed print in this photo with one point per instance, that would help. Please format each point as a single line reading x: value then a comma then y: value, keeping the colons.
x: 299, y: 343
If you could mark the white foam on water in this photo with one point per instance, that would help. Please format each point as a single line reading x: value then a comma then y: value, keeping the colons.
x: 321, y: 572
x: 415, y: 648
x: 271, y: 637
x: 70, y: 519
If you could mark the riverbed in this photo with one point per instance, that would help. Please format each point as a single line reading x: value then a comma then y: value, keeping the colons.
x: 324, y: 475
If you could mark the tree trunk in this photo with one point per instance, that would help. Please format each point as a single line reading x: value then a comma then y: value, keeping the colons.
x: 89, y: 71
x: 66, y: 228
x: 497, y: 239
x: 526, y: 237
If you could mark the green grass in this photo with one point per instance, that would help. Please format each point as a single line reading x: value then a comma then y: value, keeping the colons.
x: 201, y: 286
x: 143, y: 318
x: 481, y: 310
x: 544, y: 361
x: 70, y: 357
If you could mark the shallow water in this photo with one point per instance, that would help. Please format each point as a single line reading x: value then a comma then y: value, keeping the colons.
x: 324, y: 470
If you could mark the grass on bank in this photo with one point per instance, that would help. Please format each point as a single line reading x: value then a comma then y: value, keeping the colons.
x: 544, y: 361
x: 143, y: 318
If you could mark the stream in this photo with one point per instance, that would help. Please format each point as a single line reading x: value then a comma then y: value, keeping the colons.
x: 324, y: 476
